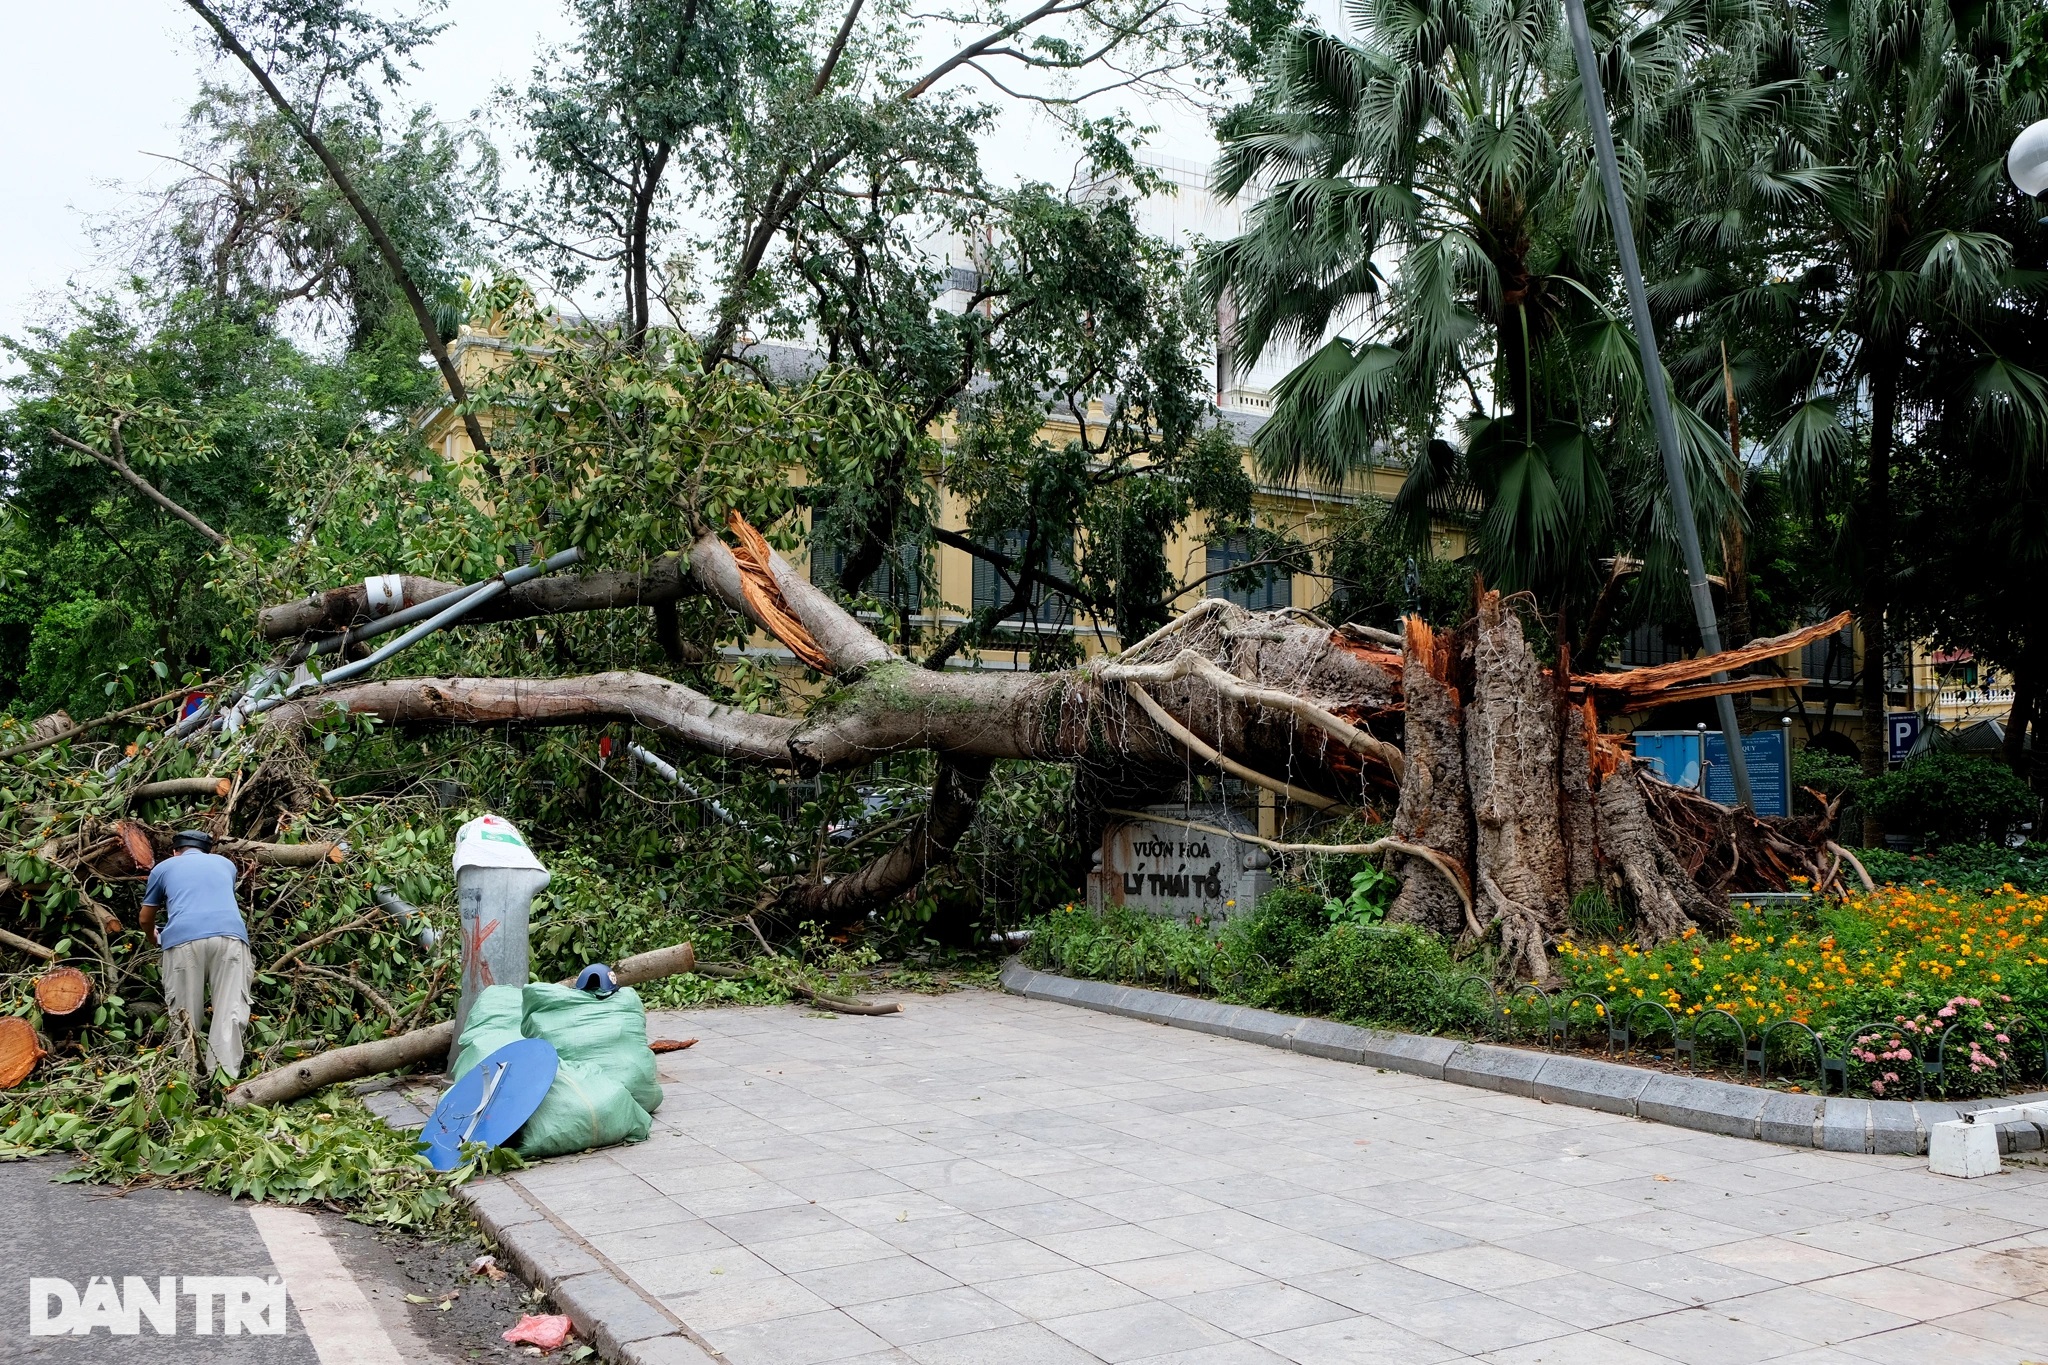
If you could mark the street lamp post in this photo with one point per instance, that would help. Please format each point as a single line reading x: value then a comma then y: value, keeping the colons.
x: 1653, y: 384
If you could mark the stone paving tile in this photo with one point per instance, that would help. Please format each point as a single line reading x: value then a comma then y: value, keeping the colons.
x: 984, y: 1180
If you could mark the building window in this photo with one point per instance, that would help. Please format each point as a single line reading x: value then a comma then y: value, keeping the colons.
x: 995, y: 588
x: 894, y: 580
x: 1830, y: 662
x: 1273, y: 588
x: 1649, y: 645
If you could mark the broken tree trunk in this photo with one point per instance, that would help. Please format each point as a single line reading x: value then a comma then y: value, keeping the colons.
x: 1511, y: 758
x: 1436, y: 805
x: 408, y: 1050
x: 179, y: 789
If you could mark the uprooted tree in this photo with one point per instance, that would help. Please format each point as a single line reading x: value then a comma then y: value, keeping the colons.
x: 1508, y: 798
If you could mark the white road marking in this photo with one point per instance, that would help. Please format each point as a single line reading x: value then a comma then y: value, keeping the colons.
x: 343, y: 1327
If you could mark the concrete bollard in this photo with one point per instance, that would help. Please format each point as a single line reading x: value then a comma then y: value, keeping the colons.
x: 496, y: 879
x: 1963, y: 1150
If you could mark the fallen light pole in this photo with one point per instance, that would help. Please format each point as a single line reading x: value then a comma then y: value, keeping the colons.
x: 1653, y: 385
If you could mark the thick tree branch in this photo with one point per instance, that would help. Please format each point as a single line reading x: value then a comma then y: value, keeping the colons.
x: 321, y: 613
x: 955, y: 797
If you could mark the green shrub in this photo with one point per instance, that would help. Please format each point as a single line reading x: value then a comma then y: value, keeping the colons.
x: 1951, y: 798
x: 1963, y: 867
x: 1118, y: 944
x: 1402, y: 977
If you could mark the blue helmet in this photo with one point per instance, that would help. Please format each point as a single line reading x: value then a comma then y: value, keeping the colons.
x: 597, y: 979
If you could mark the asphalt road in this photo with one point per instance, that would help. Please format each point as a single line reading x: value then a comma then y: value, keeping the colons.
x: 350, y: 1280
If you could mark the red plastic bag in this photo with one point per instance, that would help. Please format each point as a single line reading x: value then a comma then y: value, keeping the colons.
x: 549, y: 1331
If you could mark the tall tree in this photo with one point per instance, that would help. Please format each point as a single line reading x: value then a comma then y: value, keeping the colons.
x: 1430, y: 185
x: 1900, y: 264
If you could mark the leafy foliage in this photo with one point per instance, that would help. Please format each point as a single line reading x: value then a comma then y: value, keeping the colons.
x: 1951, y: 798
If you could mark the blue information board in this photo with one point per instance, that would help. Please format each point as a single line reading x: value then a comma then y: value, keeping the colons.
x: 1770, y: 770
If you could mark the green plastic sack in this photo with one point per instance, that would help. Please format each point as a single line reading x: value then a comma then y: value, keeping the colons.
x: 496, y: 1017
x: 584, y: 1108
x: 607, y: 1035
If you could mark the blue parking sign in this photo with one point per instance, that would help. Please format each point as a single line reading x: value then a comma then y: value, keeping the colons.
x: 1901, y: 728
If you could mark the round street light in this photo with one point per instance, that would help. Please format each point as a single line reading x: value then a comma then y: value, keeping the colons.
x: 2027, y: 162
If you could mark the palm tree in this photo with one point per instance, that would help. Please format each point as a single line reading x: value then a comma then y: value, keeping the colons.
x: 1430, y: 184
x: 1900, y: 290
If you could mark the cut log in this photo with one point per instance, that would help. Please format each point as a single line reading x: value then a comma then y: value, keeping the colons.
x: 1435, y: 808
x: 62, y: 991
x: 26, y: 945
x: 281, y: 855
x: 408, y: 1050
x: 181, y: 789
x: 1511, y: 758
x: 135, y: 839
x: 20, y: 1050
x: 661, y: 1045
x: 303, y: 1077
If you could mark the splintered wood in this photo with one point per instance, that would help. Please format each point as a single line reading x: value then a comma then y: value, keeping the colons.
x: 1509, y: 778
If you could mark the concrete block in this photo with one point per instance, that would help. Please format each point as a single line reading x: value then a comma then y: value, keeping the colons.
x: 1706, y: 1106
x: 1589, y: 1084
x: 1845, y: 1125
x: 1257, y: 1026
x: 609, y: 1313
x: 1407, y: 1052
x: 544, y: 1255
x: 1327, y: 1038
x: 1016, y: 977
x: 2019, y: 1136
x: 1793, y: 1120
x: 498, y: 1206
x: 668, y: 1350
x: 1895, y: 1129
x: 1931, y: 1112
x: 1963, y: 1150
x: 1506, y: 1069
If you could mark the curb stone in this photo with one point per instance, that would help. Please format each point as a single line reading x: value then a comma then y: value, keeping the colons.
x: 608, y: 1309
x: 1833, y: 1123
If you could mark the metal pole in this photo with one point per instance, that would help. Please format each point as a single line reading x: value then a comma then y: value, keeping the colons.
x: 1653, y: 384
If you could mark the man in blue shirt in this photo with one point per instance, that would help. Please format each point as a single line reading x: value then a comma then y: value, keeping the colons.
x: 205, y: 943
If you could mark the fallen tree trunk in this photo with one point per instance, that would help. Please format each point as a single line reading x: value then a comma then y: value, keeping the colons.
x: 181, y: 788
x: 327, y: 613
x: 408, y: 1050
x: 956, y: 795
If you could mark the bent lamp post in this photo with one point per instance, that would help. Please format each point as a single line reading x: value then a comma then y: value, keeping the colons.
x: 496, y: 879
x: 1653, y: 385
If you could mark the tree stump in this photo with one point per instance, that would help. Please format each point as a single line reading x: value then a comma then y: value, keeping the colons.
x: 62, y: 994
x: 20, y: 1050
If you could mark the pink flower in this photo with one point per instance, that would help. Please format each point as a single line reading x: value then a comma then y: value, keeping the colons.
x: 2003, y: 1039
x: 1946, y: 1012
x: 1975, y: 1067
x: 1877, y: 1087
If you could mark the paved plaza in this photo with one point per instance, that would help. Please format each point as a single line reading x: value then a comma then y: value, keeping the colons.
x: 988, y: 1180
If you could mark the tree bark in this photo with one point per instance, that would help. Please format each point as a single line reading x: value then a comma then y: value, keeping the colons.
x: 1666, y: 900
x: 1580, y: 805
x: 1436, y: 807
x: 1511, y: 758
x: 145, y: 487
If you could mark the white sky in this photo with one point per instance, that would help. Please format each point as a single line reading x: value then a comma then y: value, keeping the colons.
x: 95, y: 87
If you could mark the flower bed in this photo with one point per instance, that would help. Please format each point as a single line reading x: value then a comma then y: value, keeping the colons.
x: 1899, y: 982
x: 1902, y: 992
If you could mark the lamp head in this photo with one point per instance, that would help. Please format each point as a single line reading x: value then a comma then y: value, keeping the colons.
x: 2027, y: 162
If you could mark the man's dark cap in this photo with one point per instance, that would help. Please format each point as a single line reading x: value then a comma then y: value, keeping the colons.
x: 192, y: 838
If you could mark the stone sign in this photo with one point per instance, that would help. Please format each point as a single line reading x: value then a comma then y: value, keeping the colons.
x: 1164, y: 867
